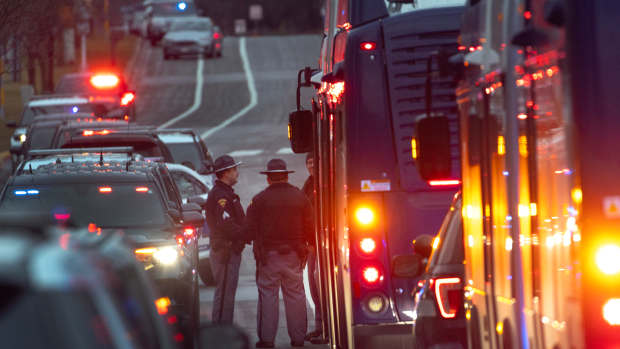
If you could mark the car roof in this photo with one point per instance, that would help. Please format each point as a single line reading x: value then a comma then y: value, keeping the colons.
x: 78, y: 157
x: 85, y: 172
x: 51, y: 101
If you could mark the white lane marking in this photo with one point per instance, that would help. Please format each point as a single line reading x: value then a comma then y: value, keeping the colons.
x: 243, y: 52
x: 197, y: 96
x: 307, y: 289
x: 286, y: 150
x: 241, y: 153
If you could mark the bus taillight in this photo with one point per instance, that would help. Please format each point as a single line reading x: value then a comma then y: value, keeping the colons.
x: 448, y: 293
x: 368, y: 245
x: 607, y: 259
x: 372, y: 275
x: 364, y: 215
x: 611, y: 312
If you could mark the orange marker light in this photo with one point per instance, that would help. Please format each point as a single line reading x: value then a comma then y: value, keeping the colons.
x: 104, y: 81
x: 368, y: 245
x: 162, y: 305
x: 142, y: 189
x: 364, y: 215
x: 611, y: 311
x: 105, y: 190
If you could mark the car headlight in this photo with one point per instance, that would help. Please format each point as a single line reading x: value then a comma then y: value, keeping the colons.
x: 166, y: 255
x: 22, y: 138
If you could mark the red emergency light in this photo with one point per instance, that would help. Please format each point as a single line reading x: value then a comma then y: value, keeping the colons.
x: 368, y: 46
x: 104, y: 81
x: 127, y: 98
x: 444, y: 183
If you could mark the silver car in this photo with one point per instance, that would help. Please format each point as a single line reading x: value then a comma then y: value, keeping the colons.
x: 190, y: 37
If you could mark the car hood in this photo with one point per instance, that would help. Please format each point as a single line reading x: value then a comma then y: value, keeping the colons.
x: 188, y: 36
x: 152, y: 236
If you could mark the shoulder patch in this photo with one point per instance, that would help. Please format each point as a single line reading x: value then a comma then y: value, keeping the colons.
x: 222, y: 202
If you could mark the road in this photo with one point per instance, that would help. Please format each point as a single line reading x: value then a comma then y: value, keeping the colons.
x: 240, y: 104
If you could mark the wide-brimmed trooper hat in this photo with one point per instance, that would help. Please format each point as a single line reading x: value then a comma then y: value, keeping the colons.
x: 225, y: 162
x: 276, y: 166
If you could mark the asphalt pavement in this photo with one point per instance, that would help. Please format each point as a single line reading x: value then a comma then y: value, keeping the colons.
x: 240, y: 104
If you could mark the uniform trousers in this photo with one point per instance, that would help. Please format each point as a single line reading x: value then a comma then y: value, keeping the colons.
x: 274, y: 272
x: 225, y: 266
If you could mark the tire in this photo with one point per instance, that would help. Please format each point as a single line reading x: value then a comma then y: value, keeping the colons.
x: 205, y: 272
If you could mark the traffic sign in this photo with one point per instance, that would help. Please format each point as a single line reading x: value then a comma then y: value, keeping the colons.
x: 240, y: 26
x: 256, y: 12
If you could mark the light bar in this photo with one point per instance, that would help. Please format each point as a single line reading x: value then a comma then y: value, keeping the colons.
x: 105, y: 190
x: 24, y: 192
x: 104, y: 81
x: 69, y: 151
x: 444, y: 183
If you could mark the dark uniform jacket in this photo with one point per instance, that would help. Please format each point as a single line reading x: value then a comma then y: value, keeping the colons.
x: 280, y: 218
x: 225, y: 218
x: 308, y: 189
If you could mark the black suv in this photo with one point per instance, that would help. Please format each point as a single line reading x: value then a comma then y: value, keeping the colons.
x: 439, y: 315
x: 136, y: 197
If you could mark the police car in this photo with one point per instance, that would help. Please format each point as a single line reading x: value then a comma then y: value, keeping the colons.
x: 136, y: 197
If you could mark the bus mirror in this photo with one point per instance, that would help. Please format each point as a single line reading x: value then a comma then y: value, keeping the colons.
x: 432, y: 138
x: 408, y: 266
x: 300, y: 131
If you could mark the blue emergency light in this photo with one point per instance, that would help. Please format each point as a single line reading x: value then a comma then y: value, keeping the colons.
x: 182, y: 6
x: 75, y: 109
x: 24, y: 192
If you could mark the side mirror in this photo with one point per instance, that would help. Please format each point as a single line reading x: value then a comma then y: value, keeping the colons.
x: 191, y: 206
x: 300, y: 131
x: 408, y: 266
x: 218, y: 336
x: 432, y: 148
x: 175, y: 214
x: 198, y: 200
x: 193, y: 218
x: 10, y: 124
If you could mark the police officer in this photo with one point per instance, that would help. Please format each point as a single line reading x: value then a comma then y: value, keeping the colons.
x: 225, y: 219
x: 280, y: 225
x: 316, y: 336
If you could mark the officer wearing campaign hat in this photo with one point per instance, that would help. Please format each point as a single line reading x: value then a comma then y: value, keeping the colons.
x: 280, y: 225
x: 225, y: 218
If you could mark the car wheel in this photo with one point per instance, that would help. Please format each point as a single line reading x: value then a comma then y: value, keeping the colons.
x: 205, y: 272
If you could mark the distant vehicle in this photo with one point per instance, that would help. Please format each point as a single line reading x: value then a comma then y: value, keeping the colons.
x: 140, y: 199
x: 110, y: 134
x: 58, y: 104
x: 78, y: 289
x: 186, y: 146
x: 137, y: 19
x: 194, y: 188
x: 100, y: 86
x: 161, y: 14
x: 439, y: 315
x: 218, y: 38
x: 190, y: 36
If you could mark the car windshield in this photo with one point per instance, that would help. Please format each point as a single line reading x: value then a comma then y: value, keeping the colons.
x: 32, y: 112
x: 120, y: 205
x: 41, y: 137
x: 180, y: 8
x: 190, y: 26
x: 182, y: 153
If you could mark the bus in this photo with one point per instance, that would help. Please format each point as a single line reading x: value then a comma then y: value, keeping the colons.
x: 539, y: 134
x: 371, y: 202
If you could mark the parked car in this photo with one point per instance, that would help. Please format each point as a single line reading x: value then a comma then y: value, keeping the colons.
x: 439, y: 315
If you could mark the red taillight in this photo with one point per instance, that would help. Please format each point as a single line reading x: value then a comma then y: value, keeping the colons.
x: 368, y: 245
x: 368, y: 46
x: 62, y: 216
x: 188, y: 233
x: 216, y: 35
x: 142, y: 189
x: 180, y: 239
x: 449, y: 296
x: 444, y: 183
x: 105, y: 190
x: 104, y: 81
x: 127, y: 98
x: 372, y: 275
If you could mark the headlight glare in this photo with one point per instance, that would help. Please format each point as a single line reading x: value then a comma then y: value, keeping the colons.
x: 166, y: 255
